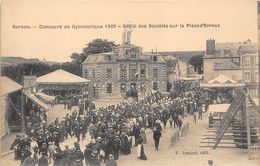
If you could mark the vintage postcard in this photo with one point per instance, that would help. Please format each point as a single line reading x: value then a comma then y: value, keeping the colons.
x: 123, y: 83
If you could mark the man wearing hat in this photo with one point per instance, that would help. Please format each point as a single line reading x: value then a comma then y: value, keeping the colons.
x: 16, y: 148
x: 43, y: 161
x: 111, y: 161
x: 117, y: 144
x: 94, y: 160
x: 29, y: 161
x: 156, y: 137
x: 87, y: 154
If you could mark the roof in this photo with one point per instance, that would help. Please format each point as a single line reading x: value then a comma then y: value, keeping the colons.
x: 98, y: 58
x: 9, y: 86
x: 36, y: 100
x: 221, y: 81
x: 60, y: 77
x: 184, y: 55
x: 170, y: 57
x: 227, y: 65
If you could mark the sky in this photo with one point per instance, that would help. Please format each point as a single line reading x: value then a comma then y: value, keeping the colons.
x: 237, y: 20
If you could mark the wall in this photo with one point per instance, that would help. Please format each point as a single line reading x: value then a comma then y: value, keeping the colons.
x: 235, y: 75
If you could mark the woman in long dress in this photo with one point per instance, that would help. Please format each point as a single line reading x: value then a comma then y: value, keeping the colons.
x: 140, y: 148
x: 143, y: 135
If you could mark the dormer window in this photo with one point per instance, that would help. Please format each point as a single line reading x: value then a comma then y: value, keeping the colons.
x: 155, y: 58
x: 133, y: 53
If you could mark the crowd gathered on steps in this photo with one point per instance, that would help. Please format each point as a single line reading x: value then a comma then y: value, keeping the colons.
x: 114, y: 130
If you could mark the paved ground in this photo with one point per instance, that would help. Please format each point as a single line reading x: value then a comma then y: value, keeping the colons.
x: 166, y: 155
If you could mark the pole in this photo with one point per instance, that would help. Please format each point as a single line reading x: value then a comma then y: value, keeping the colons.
x: 248, y: 126
x: 22, y: 105
x: 152, y: 119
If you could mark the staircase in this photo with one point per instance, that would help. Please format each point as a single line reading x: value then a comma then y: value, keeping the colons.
x: 229, y: 117
x: 232, y: 131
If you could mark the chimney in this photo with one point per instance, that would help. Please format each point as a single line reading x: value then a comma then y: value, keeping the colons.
x: 210, y: 46
x: 124, y: 37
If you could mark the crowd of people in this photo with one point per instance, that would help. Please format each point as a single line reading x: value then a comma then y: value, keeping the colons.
x: 114, y: 130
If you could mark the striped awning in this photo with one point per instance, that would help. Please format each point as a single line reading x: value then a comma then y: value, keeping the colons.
x: 35, y: 100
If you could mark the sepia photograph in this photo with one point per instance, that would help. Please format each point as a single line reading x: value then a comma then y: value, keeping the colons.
x: 128, y: 82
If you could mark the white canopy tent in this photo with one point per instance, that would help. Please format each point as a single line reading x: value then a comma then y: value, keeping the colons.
x: 61, y: 77
x: 60, y: 83
x: 221, y: 81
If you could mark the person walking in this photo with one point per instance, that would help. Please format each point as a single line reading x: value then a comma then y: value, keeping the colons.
x: 200, y: 112
x: 194, y: 117
x: 111, y: 161
x: 43, y: 161
x: 156, y: 137
x: 140, y: 148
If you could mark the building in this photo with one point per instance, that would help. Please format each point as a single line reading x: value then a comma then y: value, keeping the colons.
x: 236, y: 60
x: 11, y: 106
x: 250, y: 73
x: 129, y: 68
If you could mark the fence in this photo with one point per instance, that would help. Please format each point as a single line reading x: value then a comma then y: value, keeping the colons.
x: 255, y: 151
x: 176, y: 135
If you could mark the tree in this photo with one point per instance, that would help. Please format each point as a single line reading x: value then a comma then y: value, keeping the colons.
x: 16, y: 72
x: 197, y: 62
x: 72, y: 68
x: 94, y: 47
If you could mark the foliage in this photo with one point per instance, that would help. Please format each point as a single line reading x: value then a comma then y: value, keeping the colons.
x: 197, y: 62
x: 72, y: 68
x: 94, y: 47
x: 16, y: 72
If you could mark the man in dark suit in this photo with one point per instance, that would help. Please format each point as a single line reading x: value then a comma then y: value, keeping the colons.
x: 156, y: 137
x: 43, y: 161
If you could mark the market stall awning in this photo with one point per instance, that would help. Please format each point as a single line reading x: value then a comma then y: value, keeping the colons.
x: 221, y: 81
x: 36, y: 100
x: 61, y: 77
x: 45, y: 97
x: 9, y: 86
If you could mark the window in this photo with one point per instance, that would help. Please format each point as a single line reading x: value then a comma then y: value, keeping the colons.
x: 86, y: 73
x: 123, y: 71
x: 109, y: 87
x: 93, y: 73
x: 247, y: 76
x: 133, y: 73
x: 143, y: 71
x: 256, y: 77
x: 142, y: 86
x: 155, y: 86
x: 252, y: 77
x: 246, y: 61
x: 155, y: 72
x: 109, y: 73
x: 123, y: 87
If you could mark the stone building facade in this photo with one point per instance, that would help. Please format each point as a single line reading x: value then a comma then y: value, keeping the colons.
x: 128, y: 67
x: 236, y: 60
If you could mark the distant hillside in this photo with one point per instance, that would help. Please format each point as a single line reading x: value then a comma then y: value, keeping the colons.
x: 185, y: 55
x: 19, y: 60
